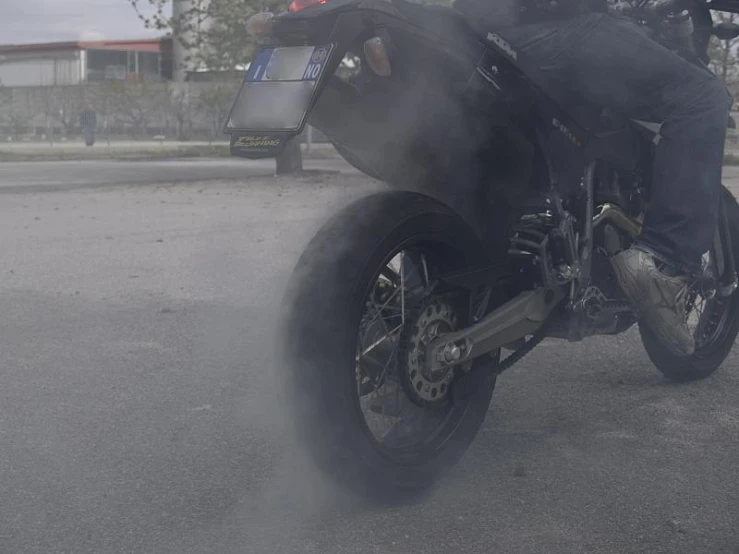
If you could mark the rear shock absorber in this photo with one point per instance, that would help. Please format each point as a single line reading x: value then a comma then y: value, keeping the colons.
x: 530, y: 242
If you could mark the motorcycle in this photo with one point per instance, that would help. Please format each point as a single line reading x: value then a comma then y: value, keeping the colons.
x: 506, y: 199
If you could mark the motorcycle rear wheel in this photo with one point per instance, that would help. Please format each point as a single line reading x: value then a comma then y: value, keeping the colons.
x: 379, y: 256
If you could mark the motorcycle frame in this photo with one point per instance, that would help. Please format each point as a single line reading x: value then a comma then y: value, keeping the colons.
x: 569, y: 146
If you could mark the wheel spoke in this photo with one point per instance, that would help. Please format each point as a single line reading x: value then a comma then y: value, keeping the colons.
x: 378, y: 342
x: 396, y: 394
x: 391, y: 358
x: 402, y: 287
x: 425, y: 270
x: 379, y: 309
x: 704, y: 311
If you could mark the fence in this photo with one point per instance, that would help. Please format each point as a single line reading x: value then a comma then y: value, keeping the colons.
x: 125, y: 110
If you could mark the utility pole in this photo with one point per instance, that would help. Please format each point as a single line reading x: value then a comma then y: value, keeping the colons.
x: 181, y: 54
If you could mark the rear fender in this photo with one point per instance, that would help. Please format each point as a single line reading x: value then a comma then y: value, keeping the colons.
x: 345, y: 24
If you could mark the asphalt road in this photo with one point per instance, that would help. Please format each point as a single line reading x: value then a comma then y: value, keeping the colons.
x: 70, y: 175
x: 138, y: 415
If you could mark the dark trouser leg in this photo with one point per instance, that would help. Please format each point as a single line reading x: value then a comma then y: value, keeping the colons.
x: 89, y: 133
x: 684, y: 199
x: 610, y: 62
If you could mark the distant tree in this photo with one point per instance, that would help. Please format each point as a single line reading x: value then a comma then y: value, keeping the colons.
x: 178, y: 105
x: 723, y: 53
x: 212, y: 31
x: 15, y: 115
x: 132, y: 103
x: 62, y: 104
x: 102, y: 96
x: 6, y: 100
x: 6, y: 95
x: 215, y: 101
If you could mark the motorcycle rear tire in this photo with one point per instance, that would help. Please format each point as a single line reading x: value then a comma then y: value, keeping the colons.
x: 318, y: 344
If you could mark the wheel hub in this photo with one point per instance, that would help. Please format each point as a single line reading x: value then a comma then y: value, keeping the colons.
x: 424, y: 386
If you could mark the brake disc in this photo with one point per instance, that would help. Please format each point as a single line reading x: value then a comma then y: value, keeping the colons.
x: 424, y: 387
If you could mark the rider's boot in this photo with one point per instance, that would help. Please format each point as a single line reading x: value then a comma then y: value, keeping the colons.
x: 659, y: 294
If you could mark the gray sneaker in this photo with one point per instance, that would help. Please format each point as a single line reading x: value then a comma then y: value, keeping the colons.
x: 659, y: 298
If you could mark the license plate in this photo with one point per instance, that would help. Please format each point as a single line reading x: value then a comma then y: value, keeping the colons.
x: 278, y: 88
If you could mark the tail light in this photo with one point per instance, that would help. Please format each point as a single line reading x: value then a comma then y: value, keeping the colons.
x: 297, y: 5
x: 377, y: 57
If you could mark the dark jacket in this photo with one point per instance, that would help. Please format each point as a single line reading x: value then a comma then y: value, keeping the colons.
x: 495, y: 14
x: 88, y: 118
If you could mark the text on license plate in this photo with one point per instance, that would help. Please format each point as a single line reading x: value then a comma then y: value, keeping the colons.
x: 288, y: 63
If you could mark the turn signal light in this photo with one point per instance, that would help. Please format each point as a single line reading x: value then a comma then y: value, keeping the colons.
x: 377, y: 58
x: 259, y: 25
x: 297, y: 5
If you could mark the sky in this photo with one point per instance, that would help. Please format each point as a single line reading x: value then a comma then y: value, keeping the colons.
x: 30, y: 21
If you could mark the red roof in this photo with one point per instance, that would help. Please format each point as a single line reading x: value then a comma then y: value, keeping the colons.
x: 141, y: 45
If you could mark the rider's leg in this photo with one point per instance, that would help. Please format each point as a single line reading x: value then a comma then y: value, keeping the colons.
x: 611, y: 62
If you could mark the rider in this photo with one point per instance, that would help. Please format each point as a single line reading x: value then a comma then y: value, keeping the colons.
x: 608, y: 60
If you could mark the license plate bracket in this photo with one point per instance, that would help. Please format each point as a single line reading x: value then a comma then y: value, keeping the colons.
x: 278, y: 90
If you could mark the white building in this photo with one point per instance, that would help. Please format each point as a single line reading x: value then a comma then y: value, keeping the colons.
x: 75, y: 63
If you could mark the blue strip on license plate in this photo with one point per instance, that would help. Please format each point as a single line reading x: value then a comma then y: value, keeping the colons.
x: 288, y: 63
